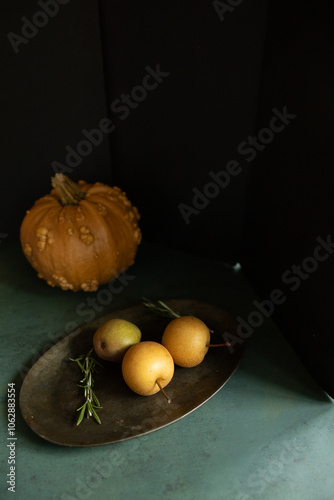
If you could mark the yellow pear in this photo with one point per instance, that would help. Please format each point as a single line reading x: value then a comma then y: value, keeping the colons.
x: 147, y: 367
x: 187, y: 339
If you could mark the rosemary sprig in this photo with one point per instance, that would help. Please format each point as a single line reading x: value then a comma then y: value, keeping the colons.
x: 87, y: 364
x: 162, y: 309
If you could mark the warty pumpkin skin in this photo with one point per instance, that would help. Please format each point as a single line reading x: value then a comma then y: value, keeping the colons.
x: 80, y: 236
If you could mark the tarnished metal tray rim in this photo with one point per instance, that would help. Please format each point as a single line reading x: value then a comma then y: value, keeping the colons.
x: 50, y: 394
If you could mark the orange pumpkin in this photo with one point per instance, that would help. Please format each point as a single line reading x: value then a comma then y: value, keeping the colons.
x: 81, y: 235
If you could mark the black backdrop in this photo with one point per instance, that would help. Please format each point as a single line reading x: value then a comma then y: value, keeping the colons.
x: 224, y: 67
x: 290, y: 196
x: 193, y: 121
x: 51, y: 90
x: 67, y: 77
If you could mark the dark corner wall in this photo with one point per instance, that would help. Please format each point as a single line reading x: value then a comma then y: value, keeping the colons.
x: 289, y: 216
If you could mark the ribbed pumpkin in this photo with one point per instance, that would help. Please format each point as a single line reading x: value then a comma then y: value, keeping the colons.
x: 81, y: 235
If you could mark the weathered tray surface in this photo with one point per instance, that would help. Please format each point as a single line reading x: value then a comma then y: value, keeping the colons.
x: 50, y: 395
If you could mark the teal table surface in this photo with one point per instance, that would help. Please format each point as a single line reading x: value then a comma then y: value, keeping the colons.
x: 267, y: 434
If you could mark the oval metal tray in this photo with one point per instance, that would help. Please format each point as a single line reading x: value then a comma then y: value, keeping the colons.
x: 50, y: 395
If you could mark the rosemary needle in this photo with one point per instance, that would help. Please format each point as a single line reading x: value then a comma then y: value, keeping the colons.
x: 162, y: 309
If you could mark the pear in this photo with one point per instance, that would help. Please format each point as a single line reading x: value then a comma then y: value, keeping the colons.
x: 188, y: 340
x: 148, y: 367
x: 114, y: 337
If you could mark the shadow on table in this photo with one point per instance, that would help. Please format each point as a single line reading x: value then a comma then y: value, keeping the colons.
x: 270, y: 359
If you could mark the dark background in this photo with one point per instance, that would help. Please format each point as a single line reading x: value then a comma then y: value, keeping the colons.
x: 225, y: 77
x: 290, y: 196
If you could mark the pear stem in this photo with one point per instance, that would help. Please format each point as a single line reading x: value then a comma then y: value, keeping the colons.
x: 162, y: 390
x: 219, y: 345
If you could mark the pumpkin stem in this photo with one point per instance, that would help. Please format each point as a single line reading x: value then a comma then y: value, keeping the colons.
x: 67, y: 190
